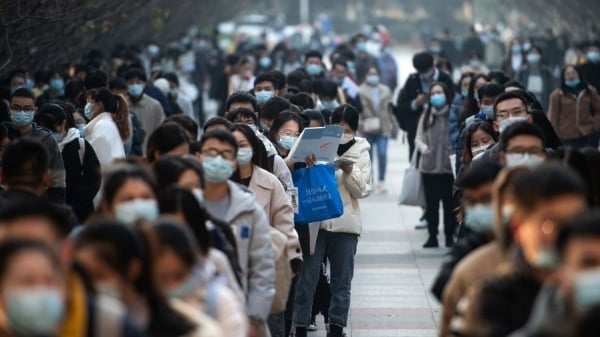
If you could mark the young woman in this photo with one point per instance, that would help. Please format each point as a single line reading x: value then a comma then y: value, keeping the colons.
x: 480, y: 136
x: 82, y: 168
x: 32, y: 290
x: 537, y: 77
x: 378, y: 122
x: 284, y: 131
x: 433, y: 143
x: 109, y: 126
x: 574, y: 108
x: 130, y: 195
x: 119, y: 263
x: 167, y: 139
x: 181, y: 273
x: 337, y: 238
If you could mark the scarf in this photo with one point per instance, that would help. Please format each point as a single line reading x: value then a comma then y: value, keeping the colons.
x: 435, y: 113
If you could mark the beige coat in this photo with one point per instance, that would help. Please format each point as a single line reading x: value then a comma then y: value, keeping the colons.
x: 383, y: 111
x: 574, y: 117
x: 271, y: 197
x: 474, y: 267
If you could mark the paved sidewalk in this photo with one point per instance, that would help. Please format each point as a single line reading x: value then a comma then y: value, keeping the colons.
x: 393, y: 274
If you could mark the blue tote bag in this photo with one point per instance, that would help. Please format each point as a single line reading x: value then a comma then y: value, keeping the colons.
x: 318, y: 195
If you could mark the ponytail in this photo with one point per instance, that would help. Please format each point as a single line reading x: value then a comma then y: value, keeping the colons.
x: 121, y: 118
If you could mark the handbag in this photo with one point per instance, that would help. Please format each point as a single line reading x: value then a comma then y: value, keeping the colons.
x: 413, y: 193
x: 318, y: 194
x: 371, y: 124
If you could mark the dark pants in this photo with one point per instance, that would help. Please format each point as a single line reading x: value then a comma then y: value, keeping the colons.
x: 438, y: 187
x: 411, y: 134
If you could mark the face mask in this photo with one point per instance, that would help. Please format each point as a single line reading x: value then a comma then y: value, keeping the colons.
x: 217, y: 170
x: 534, y: 58
x: 263, y: 96
x: 372, y: 80
x: 109, y: 290
x: 346, y: 138
x: 265, y: 126
x: 587, y: 289
x: 507, y: 214
x: 287, y: 142
x: 244, y: 156
x: 502, y: 126
x: 21, y: 118
x: 477, y: 150
x: 265, y: 62
x: 135, y: 90
x: 480, y: 218
x: 523, y: 159
x: 546, y: 258
x: 526, y: 46
x: 199, y: 195
x: 572, y: 83
x: 81, y: 128
x: 253, y: 127
x: 361, y: 46
x: 351, y: 66
x: 314, y: 69
x: 475, y: 63
x: 435, y: 49
x: 173, y: 93
x: 516, y: 49
x: 58, y: 137
x: 129, y: 212
x: 153, y: 50
x: 88, y: 111
x: 57, y: 84
x: 34, y: 311
x: 29, y: 83
x: 464, y: 92
x: 330, y: 105
x: 593, y: 56
x: 488, y: 111
x: 188, y: 286
x: 438, y: 100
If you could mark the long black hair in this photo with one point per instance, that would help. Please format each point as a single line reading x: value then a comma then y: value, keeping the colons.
x: 115, y: 180
x: 582, y: 82
x: 259, y: 152
x: 470, y: 106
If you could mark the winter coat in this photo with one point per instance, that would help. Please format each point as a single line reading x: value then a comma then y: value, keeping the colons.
x: 382, y: 111
x: 434, y: 143
x: 547, y: 82
x: 252, y: 231
x: 150, y: 114
x: 102, y: 133
x: 574, y: 116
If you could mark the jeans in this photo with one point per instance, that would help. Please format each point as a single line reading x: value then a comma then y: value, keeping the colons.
x: 439, y: 187
x: 339, y: 248
x: 276, y: 324
x: 381, y: 142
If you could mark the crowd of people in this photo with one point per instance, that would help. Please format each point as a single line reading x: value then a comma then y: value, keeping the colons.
x: 124, y: 211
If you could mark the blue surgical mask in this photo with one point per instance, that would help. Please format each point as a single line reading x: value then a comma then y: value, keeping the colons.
x: 523, y: 159
x: 57, y: 84
x: 263, y: 96
x: 287, y: 142
x: 546, y: 258
x: 593, y: 56
x: 435, y: 49
x: 81, y: 128
x: 516, y: 49
x: 135, y: 90
x: 488, y: 111
x: 586, y: 289
x: 438, y: 100
x: 58, y: 137
x: 34, y: 311
x: 244, y: 156
x: 372, y: 80
x: 21, y: 118
x: 128, y: 212
x: 480, y: 218
x: 526, y: 46
x: 191, y: 284
x: 572, y: 83
x: 314, y: 69
x: 361, y: 46
x: 503, y: 125
x: 29, y: 83
x: 265, y: 62
x: 464, y: 92
x: 329, y: 105
x: 217, y: 169
x: 534, y: 58
x: 88, y: 111
x: 475, y: 63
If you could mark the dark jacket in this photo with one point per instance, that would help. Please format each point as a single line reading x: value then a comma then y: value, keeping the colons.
x: 548, y: 83
x: 591, y: 73
x: 462, y: 248
x: 83, y: 178
x: 155, y: 93
x: 407, y: 117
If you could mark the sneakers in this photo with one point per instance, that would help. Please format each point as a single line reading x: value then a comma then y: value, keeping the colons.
x: 431, y: 242
x: 422, y: 224
x: 380, y: 188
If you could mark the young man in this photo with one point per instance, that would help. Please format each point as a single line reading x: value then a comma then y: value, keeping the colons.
x: 522, y: 144
x: 313, y: 64
x: 22, y: 111
x: 265, y: 87
x: 236, y: 205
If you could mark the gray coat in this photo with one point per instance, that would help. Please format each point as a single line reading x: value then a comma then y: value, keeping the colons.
x: 434, y: 143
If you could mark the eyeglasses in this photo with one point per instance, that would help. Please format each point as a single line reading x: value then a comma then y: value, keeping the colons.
x: 226, y: 154
x: 522, y: 150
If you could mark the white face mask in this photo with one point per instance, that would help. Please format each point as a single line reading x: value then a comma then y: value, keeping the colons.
x: 502, y: 126
x: 523, y: 159
x: 346, y: 138
x: 129, y: 212
x: 479, y: 149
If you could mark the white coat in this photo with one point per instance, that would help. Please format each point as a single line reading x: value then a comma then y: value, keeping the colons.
x: 102, y: 133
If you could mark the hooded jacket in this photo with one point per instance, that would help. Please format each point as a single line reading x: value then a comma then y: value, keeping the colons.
x: 255, y: 250
x: 102, y: 133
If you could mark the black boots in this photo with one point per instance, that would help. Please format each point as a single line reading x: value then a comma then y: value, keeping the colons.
x: 335, y: 331
x: 432, y: 242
